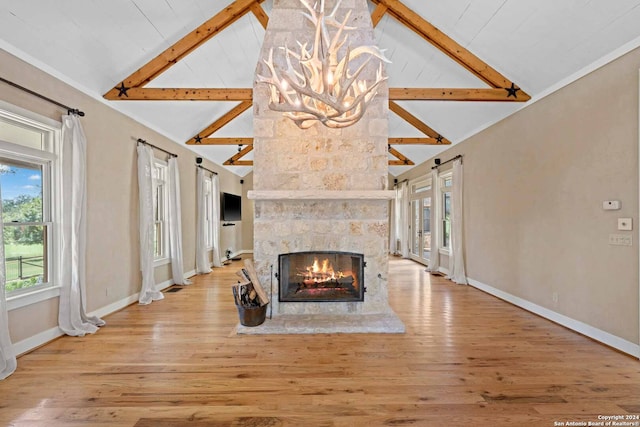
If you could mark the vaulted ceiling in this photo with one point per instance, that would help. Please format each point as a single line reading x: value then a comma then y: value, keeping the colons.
x: 454, y: 62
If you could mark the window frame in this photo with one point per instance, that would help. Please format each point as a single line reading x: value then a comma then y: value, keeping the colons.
x: 48, y: 158
x: 160, y: 180
x: 442, y: 223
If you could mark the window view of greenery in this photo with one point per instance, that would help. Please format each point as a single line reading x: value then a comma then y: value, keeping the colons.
x: 446, y: 220
x: 446, y: 212
x: 24, y: 228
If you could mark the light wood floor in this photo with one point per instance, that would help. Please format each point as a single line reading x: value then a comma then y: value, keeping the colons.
x: 467, y: 359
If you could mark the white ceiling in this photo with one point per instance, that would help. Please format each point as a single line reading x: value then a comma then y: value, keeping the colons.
x: 95, y: 44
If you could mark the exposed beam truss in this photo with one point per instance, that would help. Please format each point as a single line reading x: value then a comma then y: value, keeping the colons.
x: 132, y: 88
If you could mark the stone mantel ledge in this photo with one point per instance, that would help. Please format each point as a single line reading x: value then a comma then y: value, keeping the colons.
x: 321, y: 194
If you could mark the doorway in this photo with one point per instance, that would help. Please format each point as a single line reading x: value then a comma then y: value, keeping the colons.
x: 420, y: 221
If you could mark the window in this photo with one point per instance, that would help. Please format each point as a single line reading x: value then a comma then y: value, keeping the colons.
x: 28, y: 171
x: 208, y: 205
x: 160, y: 211
x: 420, y: 187
x: 446, y: 184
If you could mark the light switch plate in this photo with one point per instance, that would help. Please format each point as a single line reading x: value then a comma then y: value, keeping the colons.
x: 625, y: 224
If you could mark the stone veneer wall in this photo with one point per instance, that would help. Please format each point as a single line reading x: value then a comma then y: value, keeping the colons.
x: 320, y: 159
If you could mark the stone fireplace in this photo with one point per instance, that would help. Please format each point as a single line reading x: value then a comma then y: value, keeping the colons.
x: 322, y: 190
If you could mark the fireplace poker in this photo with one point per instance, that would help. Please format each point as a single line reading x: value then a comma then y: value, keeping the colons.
x: 271, y: 295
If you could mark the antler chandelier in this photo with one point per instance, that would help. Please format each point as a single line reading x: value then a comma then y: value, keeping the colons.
x: 318, y: 84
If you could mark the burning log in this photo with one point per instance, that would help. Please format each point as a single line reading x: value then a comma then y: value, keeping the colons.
x: 346, y: 281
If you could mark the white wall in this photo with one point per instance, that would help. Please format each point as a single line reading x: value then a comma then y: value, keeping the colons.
x: 534, y: 186
x: 113, y: 275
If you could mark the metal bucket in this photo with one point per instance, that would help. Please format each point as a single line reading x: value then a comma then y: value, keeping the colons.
x: 252, y: 316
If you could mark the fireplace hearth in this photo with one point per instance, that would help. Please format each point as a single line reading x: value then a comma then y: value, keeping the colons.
x: 321, y: 277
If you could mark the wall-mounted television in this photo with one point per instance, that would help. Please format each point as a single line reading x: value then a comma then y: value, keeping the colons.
x: 230, y: 207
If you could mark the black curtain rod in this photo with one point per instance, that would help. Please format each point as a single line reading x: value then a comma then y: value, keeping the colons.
x: 459, y: 156
x: 142, y: 141
x: 69, y: 109
x: 208, y: 170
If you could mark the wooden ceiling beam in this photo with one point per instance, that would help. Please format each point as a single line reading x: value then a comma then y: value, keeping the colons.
x: 182, y: 47
x: 402, y: 160
x: 187, y: 94
x: 259, y: 13
x: 445, y: 43
x: 378, y: 13
x: 249, y: 141
x: 414, y: 141
x: 456, y: 94
x: 417, y: 123
x: 395, y: 94
x: 215, y: 126
x: 235, y: 159
x: 226, y: 141
x: 238, y: 163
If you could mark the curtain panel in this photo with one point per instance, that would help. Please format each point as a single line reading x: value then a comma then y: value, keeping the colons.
x: 393, y: 224
x: 175, y: 224
x: 215, y: 219
x: 148, y: 292
x: 456, y: 260
x: 403, y: 232
x: 434, y: 256
x: 72, y: 316
x: 8, y: 361
x: 202, y: 255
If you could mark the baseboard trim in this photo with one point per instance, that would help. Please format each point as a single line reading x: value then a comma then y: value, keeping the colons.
x: 42, y: 338
x: 115, y: 306
x: 37, y: 340
x: 575, y: 325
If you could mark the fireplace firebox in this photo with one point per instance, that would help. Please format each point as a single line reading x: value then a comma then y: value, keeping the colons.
x: 321, y: 276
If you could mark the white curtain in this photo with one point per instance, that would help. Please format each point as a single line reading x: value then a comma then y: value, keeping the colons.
x: 393, y: 223
x: 175, y: 224
x: 72, y: 317
x: 8, y: 362
x: 403, y: 231
x: 148, y: 293
x: 202, y: 255
x: 456, y: 259
x: 434, y: 256
x: 215, y: 219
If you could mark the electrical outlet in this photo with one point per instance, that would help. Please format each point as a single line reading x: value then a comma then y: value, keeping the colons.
x: 554, y: 297
x: 620, y: 239
x: 625, y: 224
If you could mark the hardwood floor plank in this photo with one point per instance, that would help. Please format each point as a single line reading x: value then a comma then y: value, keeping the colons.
x: 467, y: 359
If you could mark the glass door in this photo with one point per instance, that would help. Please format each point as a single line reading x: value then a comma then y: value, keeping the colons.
x: 421, y: 222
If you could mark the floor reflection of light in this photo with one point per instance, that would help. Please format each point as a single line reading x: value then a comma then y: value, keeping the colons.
x: 157, y: 330
x: 430, y: 300
x: 447, y: 315
x: 34, y: 413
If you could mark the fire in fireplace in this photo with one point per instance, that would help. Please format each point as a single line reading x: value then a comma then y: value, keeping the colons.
x: 321, y: 276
